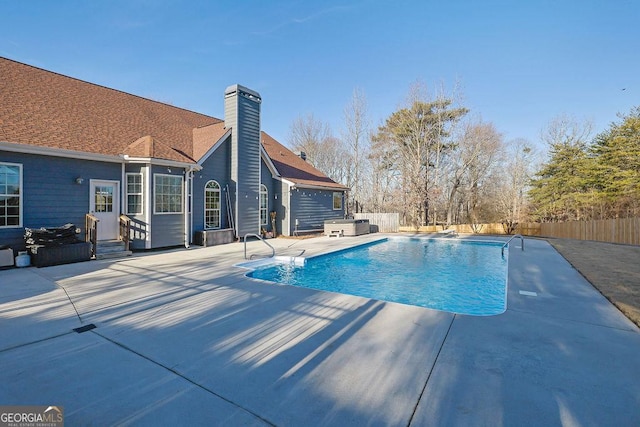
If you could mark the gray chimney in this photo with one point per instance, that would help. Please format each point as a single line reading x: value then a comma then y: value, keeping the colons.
x: 242, y: 115
x: 303, y: 155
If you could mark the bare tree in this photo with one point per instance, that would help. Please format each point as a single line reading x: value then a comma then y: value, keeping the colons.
x: 356, y: 137
x: 512, y: 200
x: 306, y: 134
x: 447, y: 133
x: 566, y: 130
x: 333, y: 159
x: 321, y: 148
x: 470, y: 166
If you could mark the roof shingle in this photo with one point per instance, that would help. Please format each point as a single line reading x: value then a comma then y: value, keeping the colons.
x: 293, y: 168
x: 42, y: 108
x: 45, y: 109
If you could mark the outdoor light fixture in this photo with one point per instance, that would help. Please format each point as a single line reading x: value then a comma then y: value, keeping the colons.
x: 79, y: 180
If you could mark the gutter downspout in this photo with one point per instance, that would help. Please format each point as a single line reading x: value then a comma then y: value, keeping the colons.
x: 236, y: 213
x: 148, y: 203
x: 123, y: 187
x: 288, y: 222
x: 188, y: 206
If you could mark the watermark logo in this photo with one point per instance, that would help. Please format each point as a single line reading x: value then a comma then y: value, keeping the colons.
x: 31, y: 416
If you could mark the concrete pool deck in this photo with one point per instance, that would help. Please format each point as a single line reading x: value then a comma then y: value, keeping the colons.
x: 183, y: 338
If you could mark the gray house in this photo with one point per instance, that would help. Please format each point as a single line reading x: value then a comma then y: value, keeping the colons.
x: 157, y: 175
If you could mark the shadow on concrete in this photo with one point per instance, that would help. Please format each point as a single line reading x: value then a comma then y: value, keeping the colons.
x: 195, y: 335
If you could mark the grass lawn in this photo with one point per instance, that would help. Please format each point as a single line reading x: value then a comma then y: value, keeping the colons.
x: 611, y: 268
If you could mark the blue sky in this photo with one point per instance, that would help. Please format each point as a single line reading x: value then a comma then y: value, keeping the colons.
x: 518, y: 64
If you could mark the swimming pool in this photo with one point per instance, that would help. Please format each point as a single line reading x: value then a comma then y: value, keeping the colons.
x: 455, y: 275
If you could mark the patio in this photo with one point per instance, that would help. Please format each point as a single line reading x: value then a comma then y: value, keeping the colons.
x: 182, y: 337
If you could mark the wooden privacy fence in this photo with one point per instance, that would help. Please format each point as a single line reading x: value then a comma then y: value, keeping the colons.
x: 381, y: 222
x: 527, y: 229
x: 622, y: 230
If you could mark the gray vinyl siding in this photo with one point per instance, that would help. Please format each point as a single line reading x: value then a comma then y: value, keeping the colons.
x: 312, y: 207
x: 243, y: 115
x: 248, y: 162
x: 216, y: 168
x: 167, y: 229
x: 50, y: 195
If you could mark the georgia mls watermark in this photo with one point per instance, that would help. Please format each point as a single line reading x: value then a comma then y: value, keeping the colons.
x: 31, y: 416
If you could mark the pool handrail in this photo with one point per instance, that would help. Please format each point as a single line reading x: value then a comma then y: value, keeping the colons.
x: 513, y: 237
x: 273, y: 251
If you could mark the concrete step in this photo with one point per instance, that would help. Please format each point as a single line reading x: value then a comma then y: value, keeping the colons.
x: 107, y: 249
x: 111, y: 255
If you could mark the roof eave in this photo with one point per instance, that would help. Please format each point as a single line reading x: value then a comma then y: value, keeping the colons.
x: 317, y: 187
x: 81, y: 155
x: 269, y: 163
x: 57, y: 152
x: 160, y: 162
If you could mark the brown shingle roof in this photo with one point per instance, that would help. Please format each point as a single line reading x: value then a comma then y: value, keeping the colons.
x: 42, y: 108
x: 205, y: 137
x: 46, y: 109
x: 293, y: 168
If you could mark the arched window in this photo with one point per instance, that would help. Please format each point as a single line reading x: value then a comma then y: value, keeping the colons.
x: 212, y: 205
x: 264, y: 204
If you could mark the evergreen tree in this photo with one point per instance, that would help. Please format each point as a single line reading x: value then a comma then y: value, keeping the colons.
x: 561, y: 191
x: 617, y: 151
x: 590, y: 181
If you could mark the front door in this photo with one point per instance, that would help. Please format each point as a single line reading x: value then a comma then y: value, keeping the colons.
x: 104, y: 204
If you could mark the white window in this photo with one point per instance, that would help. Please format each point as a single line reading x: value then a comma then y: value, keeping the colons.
x: 10, y: 195
x: 134, y: 194
x: 103, y: 198
x: 168, y: 194
x: 337, y: 201
x: 264, y: 204
x: 212, y: 205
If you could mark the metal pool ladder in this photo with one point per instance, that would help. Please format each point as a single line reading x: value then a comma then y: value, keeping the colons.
x: 273, y: 251
x: 513, y: 237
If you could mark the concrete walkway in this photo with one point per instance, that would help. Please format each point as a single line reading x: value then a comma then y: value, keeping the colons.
x: 183, y: 338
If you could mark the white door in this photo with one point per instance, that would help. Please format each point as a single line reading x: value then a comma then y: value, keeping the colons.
x: 104, y: 204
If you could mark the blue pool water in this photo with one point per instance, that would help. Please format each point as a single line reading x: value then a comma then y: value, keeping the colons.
x: 467, y: 277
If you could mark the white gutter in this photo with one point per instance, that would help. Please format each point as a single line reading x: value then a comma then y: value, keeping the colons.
x: 288, y: 221
x: 188, y: 206
x: 161, y: 162
x: 292, y: 185
x: 123, y: 186
x: 148, y: 203
x: 286, y: 181
x: 190, y: 236
x: 319, y: 187
x: 236, y: 213
x: 81, y: 155
x: 57, y: 152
